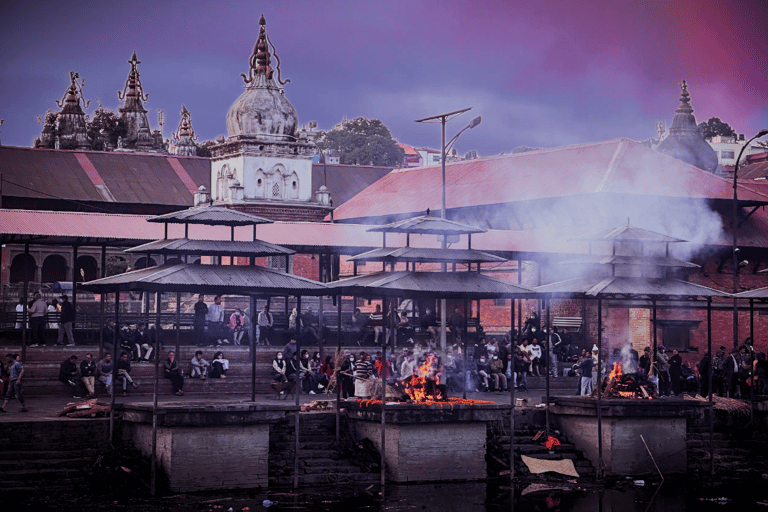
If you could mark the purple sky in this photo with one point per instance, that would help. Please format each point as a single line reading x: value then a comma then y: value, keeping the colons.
x: 540, y: 73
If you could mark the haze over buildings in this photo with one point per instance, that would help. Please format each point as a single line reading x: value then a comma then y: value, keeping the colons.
x: 540, y: 75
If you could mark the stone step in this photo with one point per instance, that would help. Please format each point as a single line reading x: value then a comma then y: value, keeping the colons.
x: 19, y: 454
x: 8, y: 464
x: 315, y: 470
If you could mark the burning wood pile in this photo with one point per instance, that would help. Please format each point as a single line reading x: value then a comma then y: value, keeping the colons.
x: 424, y: 385
x: 627, y: 385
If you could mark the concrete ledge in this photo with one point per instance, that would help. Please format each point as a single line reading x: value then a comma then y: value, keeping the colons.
x: 406, y: 413
x: 206, y: 414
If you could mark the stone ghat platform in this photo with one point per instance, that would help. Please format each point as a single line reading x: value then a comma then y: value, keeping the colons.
x: 662, y: 423
x: 207, y: 446
x: 441, y: 441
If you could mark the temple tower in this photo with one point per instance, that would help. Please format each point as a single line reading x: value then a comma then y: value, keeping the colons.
x: 133, y: 115
x: 685, y: 141
x: 184, y: 138
x: 67, y: 128
x: 264, y: 166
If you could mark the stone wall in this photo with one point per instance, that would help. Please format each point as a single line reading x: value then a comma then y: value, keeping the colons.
x: 206, y: 458
x: 430, y: 452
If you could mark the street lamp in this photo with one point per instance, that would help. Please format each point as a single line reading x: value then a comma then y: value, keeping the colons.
x: 442, y: 119
x: 734, y: 225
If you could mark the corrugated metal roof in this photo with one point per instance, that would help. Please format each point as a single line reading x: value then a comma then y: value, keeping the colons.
x: 640, y: 261
x: 627, y: 287
x: 470, y: 285
x: 232, y: 279
x: 211, y: 247
x: 420, y: 254
x: 345, y: 181
x: 211, y: 216
x: 427, y: 225
x: 94, y: 176
x: 618, y: 166
x: 45, y: 227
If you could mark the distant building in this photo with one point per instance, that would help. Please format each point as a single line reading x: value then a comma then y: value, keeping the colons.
x: 728, y: 148
x: 412, y: 157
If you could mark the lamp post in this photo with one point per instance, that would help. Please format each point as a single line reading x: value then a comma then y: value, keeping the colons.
x: 734, y: 225
x: 442, y: 119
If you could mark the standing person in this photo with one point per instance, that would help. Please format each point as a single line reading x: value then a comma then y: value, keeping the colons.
x: 171, y: 371
x: 265, y: 322
x: 731, y: 367
x: 53, y: 313
x: 104, y: 371
x: 16, y: 372
x: 346, y: 374
x: 124, y: 372
x: 237, y: 325
x: 704, y: 369
x: 20, y: 314
x: 215, y: 321
x: 456, y: 323
x: 37, y: 320
x: 645, y: 361
x: 66, y: 321
x: 663, y: 362
x: 675, y: 372
x: 201, y: 311
x: 88, y: 374
x: 586, y: 375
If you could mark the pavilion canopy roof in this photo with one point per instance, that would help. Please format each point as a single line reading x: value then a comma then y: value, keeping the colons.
x: 220, y: 279
x: 640, y: 261
x: 628, y: 288
x: 628, y: 233
x: 426, y: 255
x: 211, y: 247
x: 468, y: 285
x: 212, y: 216
x: 427, y: 225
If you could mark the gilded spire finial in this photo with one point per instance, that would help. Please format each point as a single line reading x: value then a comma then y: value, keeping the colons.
x: 185, y: 126
x: 74, y: 94
x: 133, y: 88
x: 260, y: 61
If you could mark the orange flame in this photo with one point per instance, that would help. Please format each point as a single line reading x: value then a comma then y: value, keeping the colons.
x: 616, y: 372
x: 422, y: 386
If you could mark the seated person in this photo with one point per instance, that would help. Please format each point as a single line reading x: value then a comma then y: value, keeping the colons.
x: 219, y: 366
x: 496, y: 366
x: 292, y: 368
x: 453, y: 373
x: 310, y: 327
x: 108, y: 334
x: 429, y: 324
x: 70, y: 374
x: 279, y: 368
x: 88, y: 374
x: 404, y: 329
x: 308, y: 378
x: 104, y: 371
x: 171, y: 371
x: 124, y: 372
x: 143, y: 344
x: 483, y: 373
x: 199, y: 365
x: 128, y: 344
x: 359, y: 326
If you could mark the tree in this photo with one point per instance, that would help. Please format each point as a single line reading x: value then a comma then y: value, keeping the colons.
x: 713, y: 127
x: 204, y: 148
x: 104, y: 129
x: 362, y: 141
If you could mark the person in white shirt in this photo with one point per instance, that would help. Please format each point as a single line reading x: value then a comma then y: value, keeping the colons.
x: 215, y: 321
x: 265, y: 322
x: 199, y: 365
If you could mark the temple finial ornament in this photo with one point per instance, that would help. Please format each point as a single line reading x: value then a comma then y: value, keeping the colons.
x: 74, y: 94
x: 185, y: 126
x: 260, y: 61
x: 133, y: 86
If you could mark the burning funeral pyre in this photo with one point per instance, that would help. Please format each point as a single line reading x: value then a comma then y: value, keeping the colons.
x: 627, y: 385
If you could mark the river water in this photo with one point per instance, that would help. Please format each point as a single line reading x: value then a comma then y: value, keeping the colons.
x: 540, y: 495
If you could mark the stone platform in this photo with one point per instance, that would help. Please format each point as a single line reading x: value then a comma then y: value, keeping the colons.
x: 662, y: 422
x: 428, y: 443
x: 207, y: 446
